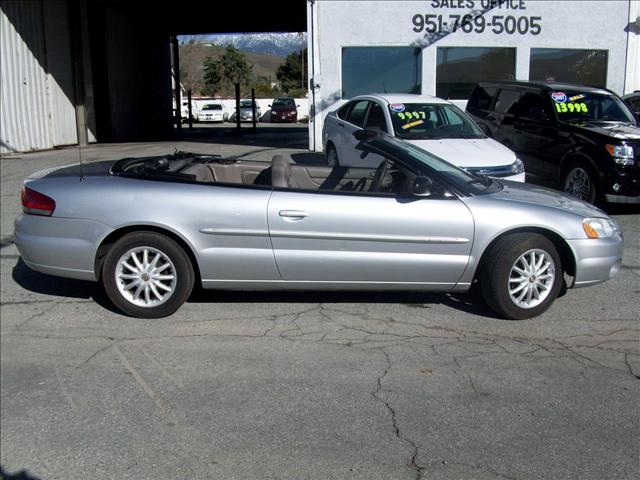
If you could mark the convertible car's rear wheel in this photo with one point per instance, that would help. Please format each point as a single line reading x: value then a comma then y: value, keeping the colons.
x: 522, y: 276
x: 147, y: 275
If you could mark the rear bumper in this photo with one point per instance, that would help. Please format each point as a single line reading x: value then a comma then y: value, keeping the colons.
x: 596, y: 260
x: 63, y: 247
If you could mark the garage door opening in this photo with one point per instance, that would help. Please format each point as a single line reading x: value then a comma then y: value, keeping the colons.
x: 270, y: 68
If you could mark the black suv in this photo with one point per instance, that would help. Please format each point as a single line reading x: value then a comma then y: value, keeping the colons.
x: 584, y: 138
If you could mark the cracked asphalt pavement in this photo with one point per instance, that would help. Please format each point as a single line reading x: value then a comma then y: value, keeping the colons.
x: 313, y: 385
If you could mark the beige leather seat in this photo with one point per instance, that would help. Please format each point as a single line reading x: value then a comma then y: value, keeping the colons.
x: 281, y: 173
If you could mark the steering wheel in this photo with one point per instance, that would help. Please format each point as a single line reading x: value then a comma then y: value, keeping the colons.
x: 360, y: 184
x: 379, y: 174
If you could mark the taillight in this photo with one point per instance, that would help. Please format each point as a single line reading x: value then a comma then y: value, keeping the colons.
x: 36, y: 203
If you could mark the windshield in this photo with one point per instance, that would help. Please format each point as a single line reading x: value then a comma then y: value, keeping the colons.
x: 283, y: 102
x: 212, y: 106
x: 426, y: 163
x: 417, y: 121
x: 245, y: 104
x: 573, y: 105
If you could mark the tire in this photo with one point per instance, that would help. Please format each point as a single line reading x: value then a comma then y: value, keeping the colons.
x: 580, y: 181
x: 509, y: 287
x: 140, y: 290
x: 332, y: 156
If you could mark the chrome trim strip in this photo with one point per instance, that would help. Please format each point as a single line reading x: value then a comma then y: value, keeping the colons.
x: 367, y: 238
x: 234, y: 231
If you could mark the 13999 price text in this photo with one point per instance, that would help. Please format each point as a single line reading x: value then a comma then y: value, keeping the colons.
x: 468, y: 23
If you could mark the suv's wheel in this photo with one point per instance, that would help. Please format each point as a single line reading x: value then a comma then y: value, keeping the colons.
x: 579, y: 181
x: 332, y: 156
x: 147, y: 275
x: 522, y: 276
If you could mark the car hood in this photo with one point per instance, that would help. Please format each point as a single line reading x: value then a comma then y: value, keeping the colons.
x: 537, y: 195
x: 621, y: 131
x: 468, y: 152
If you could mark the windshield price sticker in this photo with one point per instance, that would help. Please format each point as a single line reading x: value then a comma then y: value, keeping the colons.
x: 571, y: 107
x: 408, y: 116
x: 412, y: 124
x: 566, y: 104
x: 397, y: 107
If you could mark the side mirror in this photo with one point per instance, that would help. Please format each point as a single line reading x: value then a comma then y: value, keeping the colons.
x: 425, y: 187
x: 269, y: 105
x: 422, y: 187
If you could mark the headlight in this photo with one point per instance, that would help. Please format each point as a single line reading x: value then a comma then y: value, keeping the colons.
x: 622, y: 154
x: 517, y: 166
x: 599, y: 227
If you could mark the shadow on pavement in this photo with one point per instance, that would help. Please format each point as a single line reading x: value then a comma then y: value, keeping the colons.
x: 63, y: 287
x: 21, y: 475
x: 41, y: 283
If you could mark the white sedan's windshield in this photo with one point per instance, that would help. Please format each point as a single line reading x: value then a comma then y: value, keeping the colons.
x: 421, y: 121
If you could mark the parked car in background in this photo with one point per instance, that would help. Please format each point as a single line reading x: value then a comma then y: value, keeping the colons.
x: 633, y: 100
x: 211, y: 112
x: 415, y: 222
x: 430, y: 123
x: 246, y: 111
x: 585, y: 139
x: 284, y: 109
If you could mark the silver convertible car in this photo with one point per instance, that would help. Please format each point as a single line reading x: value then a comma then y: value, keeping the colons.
x: 150, y: 228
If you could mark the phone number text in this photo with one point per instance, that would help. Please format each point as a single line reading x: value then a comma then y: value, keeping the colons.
x: 498, y: 24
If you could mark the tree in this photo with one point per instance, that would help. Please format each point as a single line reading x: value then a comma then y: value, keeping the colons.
x: 221, y: 75
x: 293, y: 78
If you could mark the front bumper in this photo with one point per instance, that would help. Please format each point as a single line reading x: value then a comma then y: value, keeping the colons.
x: 597, y: 260
x: 63, y: 247
x: 623, y: 185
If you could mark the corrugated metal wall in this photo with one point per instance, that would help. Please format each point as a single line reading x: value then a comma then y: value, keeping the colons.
x: 36, y: 78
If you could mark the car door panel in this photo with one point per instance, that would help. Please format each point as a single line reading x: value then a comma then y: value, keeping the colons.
x: 367, y: 239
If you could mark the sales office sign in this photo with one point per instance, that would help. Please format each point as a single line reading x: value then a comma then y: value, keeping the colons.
x: 500, y: 17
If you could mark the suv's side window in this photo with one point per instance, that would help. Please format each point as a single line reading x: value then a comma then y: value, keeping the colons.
x: 507, y: 101
x: 357, y: 113
x: 481, y: 98
x: 532, y: 106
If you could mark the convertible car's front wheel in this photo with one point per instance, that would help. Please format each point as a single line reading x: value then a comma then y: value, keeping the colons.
x: 147, y: 275
x: 522, y: 275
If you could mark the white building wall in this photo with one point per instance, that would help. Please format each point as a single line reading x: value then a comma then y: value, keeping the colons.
x: 36, y: 76
x: 567, y: 24
x: 632, y: 80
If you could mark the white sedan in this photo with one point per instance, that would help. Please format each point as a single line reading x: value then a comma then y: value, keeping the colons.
x: 429, y: 123
x: 211, y: 112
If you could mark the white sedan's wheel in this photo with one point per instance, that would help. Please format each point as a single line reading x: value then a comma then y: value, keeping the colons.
x: 521, y: 275
x: 332, y: 156
x: 147, y: 275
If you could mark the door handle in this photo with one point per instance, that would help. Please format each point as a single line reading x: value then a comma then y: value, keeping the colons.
x: 341, y: 125
x: 295, y: 214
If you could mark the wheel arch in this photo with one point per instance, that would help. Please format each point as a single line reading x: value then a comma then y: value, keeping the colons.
x: 565, y: 252
x: 120, y: 232
x: 576, y: 156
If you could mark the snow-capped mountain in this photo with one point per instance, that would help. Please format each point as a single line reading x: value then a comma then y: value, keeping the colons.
x: 274, y: 43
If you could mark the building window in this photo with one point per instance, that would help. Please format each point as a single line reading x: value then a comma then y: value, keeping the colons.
x: 585, y: 67
x: 460, y: 68
x: 380, y: 70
